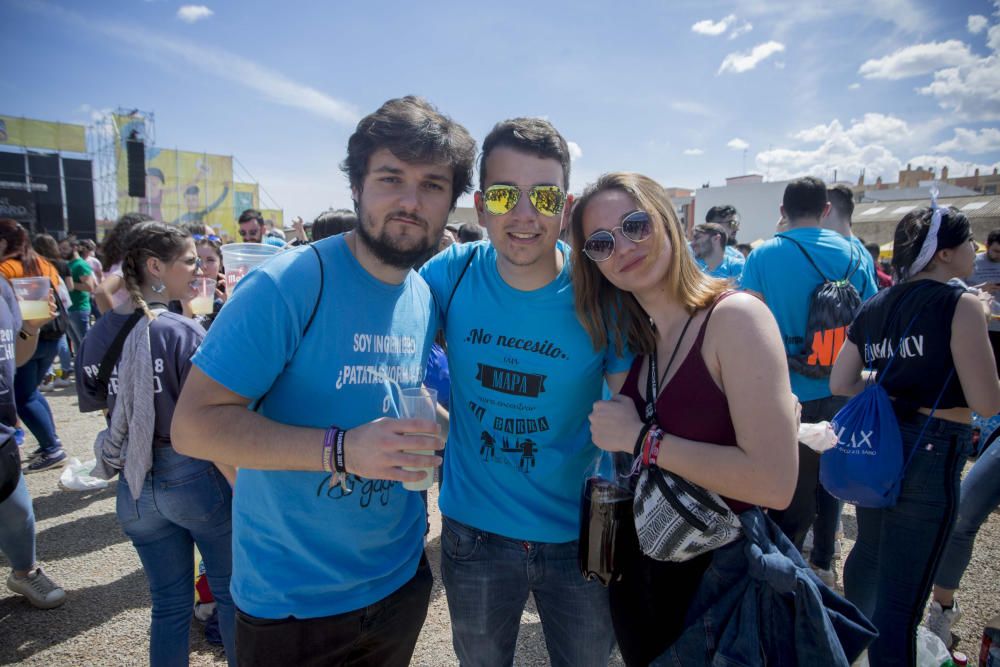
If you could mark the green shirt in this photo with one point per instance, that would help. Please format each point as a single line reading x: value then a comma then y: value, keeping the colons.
x: 79, y: 269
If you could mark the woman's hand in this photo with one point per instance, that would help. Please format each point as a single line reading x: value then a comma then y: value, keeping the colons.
x: 615, y: 425
x: 220, y: 287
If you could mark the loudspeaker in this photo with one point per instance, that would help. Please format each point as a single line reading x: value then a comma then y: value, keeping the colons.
x: 136, y: 153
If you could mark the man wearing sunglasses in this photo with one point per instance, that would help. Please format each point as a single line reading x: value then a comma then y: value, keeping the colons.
x: 252, y: 227
x: 709, y: 247
x: 524, y: 376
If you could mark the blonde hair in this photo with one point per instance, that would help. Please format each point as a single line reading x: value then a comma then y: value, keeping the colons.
x: 602, y: 307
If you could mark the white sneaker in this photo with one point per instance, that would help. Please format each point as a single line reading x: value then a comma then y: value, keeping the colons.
x: 41, y: 591
x: 47, y: 386
x: 62, y: 383
x: 940, y: 620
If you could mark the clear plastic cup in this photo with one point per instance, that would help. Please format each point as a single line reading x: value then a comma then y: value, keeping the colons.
x: 419, y: 403
x: 204, y: 299
x: 32, y: 297
x: 240, y: 258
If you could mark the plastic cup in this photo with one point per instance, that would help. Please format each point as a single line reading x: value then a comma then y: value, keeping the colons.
x: 241, y: 258
x: 419, y: 403
x: 204, y: 299
x: 33, y: 297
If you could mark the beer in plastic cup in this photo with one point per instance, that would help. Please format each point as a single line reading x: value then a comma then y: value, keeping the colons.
x: 33, y: 297
x: 240, y: 258
x: 419, y: 403
x: 204, y: 300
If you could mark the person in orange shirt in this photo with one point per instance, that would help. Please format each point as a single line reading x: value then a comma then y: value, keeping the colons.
x: 32, y: 407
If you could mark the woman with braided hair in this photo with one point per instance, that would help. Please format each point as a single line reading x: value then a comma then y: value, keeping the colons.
x: 167, y: 502
x: 925, y: 339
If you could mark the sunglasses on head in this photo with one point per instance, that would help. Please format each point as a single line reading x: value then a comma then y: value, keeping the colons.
x: 600, y: 245
x: 211, y: 237
x: 547, y: 199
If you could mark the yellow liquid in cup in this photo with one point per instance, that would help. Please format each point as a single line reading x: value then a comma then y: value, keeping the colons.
x: 428, y: 479
x: 34, y: 310
x: 202, y: 305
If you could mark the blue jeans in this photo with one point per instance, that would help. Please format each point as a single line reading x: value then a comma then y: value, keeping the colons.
x: 487, y: 578
x: 17, y: 528
x: 980, y: 495
x: 32, y: 407
x: 184, y: 502
x: 79, y: 323
x: 889, y: 573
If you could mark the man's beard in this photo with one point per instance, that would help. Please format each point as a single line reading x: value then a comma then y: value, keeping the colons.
x: 388, y: 252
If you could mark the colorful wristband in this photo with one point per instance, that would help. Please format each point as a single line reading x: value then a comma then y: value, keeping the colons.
x: 654, y: 449
x: 327, y: 454
x: 338, y: 453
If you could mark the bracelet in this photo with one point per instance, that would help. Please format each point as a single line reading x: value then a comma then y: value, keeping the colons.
x: 338, y: 452
x: 25, y: 335
x: 655, y: 448
x: 327, y: 453
x: 637, y: 450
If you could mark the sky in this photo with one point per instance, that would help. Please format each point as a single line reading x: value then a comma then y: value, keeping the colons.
x: 689, y: 92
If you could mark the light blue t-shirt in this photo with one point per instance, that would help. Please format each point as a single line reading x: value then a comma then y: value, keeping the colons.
x: 782, y: 274
x: 866, y: 257
x: 524, y: 378
x: 730, y: 267
x: 301, y: 548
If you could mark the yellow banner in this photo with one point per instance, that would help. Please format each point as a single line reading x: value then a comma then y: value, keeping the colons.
x: 274, y: 215
x: 42, y: 134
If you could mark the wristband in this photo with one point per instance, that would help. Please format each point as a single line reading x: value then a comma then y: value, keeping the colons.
x: 654, y: 450
x: 637, y: 450
x: 327, y: 453
x: 338, y: 453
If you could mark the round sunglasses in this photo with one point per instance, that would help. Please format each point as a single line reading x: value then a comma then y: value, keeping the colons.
x: 547, y: 199
x: 600, y: 245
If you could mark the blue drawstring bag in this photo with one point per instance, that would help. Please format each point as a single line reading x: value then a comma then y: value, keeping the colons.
x: 866, y: 465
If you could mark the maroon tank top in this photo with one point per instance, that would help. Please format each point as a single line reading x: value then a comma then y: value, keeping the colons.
x: 691, y: 405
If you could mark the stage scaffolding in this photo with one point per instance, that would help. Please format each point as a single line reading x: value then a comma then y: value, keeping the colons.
x: 107, y: 138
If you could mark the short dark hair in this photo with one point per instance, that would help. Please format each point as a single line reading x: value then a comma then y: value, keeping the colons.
x: 333, y: 222
x: 251, y: 214
x: 912, y: 230
x: 841, y: 198
x: 529, y: 135
x: 469, y: 232
x: 415, y: 132
x: 192, y: 190
x: 153, y: 171
x: 717, y: 213
x: 804, y: 198
x: 994, y: 237
x: 713, y: 228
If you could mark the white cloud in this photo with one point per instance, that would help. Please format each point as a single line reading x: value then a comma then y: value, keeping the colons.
x: 193, y: 13
x: 742, y: 30
x: 986, y: 140
x: 972, y: 91
x: 693, y: 151
x: 575, y: 152
x: 977, y: 23
x: 745, y: 61
x: 738, y: 144
x: 918, y: 59
x: 854, y: 86
x: 713, y: 29
x: 955, y: 167
x: 270, y: 84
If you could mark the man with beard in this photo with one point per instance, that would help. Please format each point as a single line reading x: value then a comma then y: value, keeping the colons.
x: 524, y: 377
x: 328, y: 552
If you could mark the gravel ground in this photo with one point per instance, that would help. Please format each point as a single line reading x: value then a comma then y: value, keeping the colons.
x: 105, y: 620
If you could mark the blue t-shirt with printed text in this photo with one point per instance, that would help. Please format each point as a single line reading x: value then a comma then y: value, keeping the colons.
x: 524, y: 378
x: 779, y: 271
x: 301, y: 548
x: 10, y: 324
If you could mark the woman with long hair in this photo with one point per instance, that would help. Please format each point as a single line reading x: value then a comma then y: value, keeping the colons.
x: 32, y: 407
x: 46, y: 246
x: 935, y: 335
x: 722, y: 399
x: 167, y: 502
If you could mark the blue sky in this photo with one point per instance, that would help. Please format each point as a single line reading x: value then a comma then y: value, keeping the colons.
x: 685, y: 91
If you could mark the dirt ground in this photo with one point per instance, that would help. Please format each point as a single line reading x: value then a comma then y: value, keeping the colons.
x: 105, y: 620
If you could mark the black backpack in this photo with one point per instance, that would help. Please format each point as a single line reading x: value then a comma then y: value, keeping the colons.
x: 832, y: 307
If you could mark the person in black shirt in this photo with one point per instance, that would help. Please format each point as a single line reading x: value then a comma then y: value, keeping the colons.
x: 935, y: 334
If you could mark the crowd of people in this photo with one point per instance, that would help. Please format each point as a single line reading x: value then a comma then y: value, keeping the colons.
x: 580, y: 325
